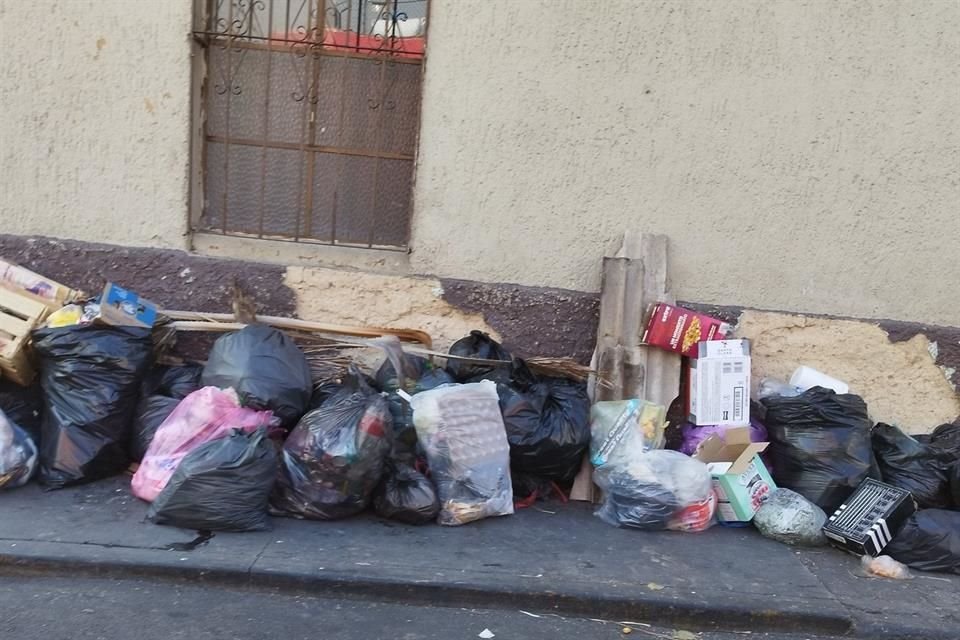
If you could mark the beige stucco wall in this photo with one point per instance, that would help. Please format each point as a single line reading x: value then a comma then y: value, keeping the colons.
x: 94, y: 119
x: 801, y: 155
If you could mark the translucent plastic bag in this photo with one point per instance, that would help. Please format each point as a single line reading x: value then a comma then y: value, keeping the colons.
x: 622, y: 430
x: 204, y: 415
x: 462, y: 432
x: 657, y: 490
x: 23, y: 406
x: 334, y: 458
x: 884, y: 567
x: 18, y: 455
x: 416, y: 375
x: 790, y: 518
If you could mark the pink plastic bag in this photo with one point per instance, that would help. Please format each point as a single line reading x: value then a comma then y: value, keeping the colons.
x: 204, y: 415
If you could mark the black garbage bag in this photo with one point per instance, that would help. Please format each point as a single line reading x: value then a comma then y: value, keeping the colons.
x: 929, y: 541
x: 955, y: 485
x: 90, y: 376
x: 406, y: 495
x: 947, y: 437
x: 419, y: 375
x: 324, y: 390
x: 223, y: 485
x: 151, y: 412
x: 921, y: 469
x: 320, y: 394
x: 547, y: 422
x: 820, y: 445
x: 954, y: 477
x: 162, y: 390
x: 18, y: 455
x: 23, y: 406
x: 265, y: 367
x: 477, y: 345
x: 174, y: 382
x: 333, y: 459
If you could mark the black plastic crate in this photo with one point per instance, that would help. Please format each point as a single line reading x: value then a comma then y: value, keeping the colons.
x: 869, y: 519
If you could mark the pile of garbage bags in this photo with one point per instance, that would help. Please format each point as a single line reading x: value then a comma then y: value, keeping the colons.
x: 221, y: 446
x: 224, y: 445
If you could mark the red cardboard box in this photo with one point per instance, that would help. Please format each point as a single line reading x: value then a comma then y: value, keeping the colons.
x: 680, y: 330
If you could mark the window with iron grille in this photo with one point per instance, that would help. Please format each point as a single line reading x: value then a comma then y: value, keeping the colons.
x: 310, y: 111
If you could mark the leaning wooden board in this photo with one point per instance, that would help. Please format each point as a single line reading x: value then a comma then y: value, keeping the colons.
x: 19, y: 315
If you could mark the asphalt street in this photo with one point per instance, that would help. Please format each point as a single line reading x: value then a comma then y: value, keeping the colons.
x: 59, y: 608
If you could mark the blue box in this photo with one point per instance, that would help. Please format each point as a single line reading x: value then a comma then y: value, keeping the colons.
x: 124, y: 308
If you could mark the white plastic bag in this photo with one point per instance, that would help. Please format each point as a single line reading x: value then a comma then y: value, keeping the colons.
x: 18, y: 455
x: 461, y: 431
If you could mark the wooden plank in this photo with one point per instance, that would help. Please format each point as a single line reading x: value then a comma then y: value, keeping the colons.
x: 14, y: 325
x: 632, y: 281
x: 21, y: 304
x: 198, y: 321
x: 19, y: 314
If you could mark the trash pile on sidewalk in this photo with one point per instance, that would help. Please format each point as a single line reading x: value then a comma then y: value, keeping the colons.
x: 252, y: 430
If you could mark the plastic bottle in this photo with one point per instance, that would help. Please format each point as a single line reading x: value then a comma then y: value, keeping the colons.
x: 808, y: 377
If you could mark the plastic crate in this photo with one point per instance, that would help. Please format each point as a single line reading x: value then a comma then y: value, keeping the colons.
x: 869, y: 519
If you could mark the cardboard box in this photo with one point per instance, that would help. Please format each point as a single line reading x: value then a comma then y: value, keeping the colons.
x: 740, y: 479
x: 680, y: 330
x: 124, y: 308
x: 869, y: 519
x: 719, y: 384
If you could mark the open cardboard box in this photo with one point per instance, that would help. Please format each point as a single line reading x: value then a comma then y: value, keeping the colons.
x: 740, y: 479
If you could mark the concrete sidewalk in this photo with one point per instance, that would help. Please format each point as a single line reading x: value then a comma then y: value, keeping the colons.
x: 552, y: 558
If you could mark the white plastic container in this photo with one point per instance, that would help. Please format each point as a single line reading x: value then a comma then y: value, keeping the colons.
x: 808, y: 377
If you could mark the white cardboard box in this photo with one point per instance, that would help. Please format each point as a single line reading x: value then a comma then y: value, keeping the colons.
x: 719, y: 383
